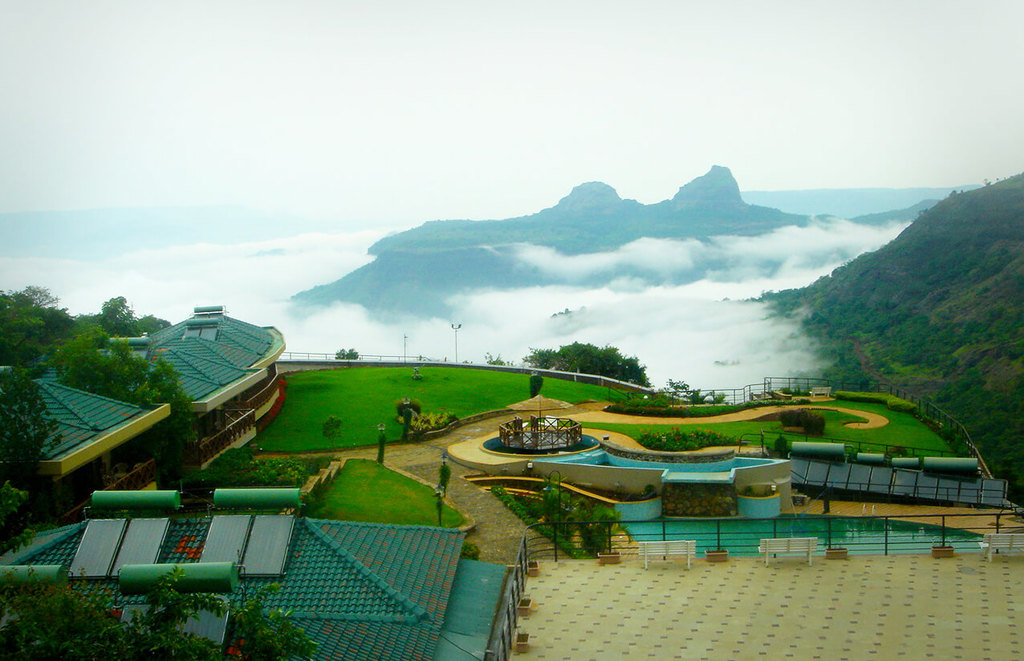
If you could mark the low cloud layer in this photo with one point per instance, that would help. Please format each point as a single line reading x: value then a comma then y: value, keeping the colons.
x: 702, y: 332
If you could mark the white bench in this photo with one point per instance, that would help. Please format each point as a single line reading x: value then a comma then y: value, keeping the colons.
x: 1002, y: 542
x: 823, y: 391
x: 667, y: 547
x: 802, y: 545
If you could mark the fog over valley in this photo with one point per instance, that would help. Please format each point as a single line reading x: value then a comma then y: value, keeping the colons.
x: 701, y: 331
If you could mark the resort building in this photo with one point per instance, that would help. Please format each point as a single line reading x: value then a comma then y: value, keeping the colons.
x: 227, y: 368
x: 359, y: 590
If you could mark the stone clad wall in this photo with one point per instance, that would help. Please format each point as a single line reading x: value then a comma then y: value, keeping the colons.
x: 696, y: 499
x: 695, y: 457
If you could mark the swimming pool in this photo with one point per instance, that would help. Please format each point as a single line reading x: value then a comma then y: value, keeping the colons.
x: 861, y: 535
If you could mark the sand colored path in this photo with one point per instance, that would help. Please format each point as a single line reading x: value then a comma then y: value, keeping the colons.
x: 871, y: 420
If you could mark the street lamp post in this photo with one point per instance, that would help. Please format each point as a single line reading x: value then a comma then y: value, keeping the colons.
x: 456, y: 327
x: 405, y: 347
x: 381, y: 440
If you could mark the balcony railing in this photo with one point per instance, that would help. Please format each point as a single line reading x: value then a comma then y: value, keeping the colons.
x: 197, y: 454
x: 138, y: 478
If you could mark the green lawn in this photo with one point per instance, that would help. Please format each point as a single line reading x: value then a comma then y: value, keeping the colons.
x: 366, y: 491
x: 903, y: 429
x: 364, y: 397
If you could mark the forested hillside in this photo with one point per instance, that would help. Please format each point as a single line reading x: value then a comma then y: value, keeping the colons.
x: 938, y: 311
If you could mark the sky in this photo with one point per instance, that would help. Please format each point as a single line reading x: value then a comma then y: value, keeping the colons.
x: 383, y: 114
x: 355, y: 119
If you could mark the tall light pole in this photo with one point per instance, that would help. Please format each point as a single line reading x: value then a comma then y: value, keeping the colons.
x: 405, y: 345
x: 456, y: 327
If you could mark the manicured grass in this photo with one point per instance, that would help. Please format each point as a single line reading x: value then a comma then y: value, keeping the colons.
x: 366, y: 491
x: 364, y: 397
x: 903, y: 430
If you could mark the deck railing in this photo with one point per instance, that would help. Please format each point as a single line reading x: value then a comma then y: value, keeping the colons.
x: 503, y: 630
x: 197, y: 454
x: 135, y: 479
x: 866, y: 535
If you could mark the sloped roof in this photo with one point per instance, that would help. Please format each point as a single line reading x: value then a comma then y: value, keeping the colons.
x: 208, y: 363
x: 360, y: 590
x: 82, y: 417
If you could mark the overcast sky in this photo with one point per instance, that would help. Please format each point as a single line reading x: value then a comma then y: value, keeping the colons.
x: 391, y: 113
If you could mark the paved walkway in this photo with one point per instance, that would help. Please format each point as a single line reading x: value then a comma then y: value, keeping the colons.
x: 867, y: 607
x: 872, y: 420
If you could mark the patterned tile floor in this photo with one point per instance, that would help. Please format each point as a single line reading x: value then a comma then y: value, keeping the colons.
x: 867, y: 607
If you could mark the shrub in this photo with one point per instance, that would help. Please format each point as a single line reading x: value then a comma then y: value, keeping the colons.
x: 781, y: 446
x: 470, y: 551
x: 891, y: 402
x: 676, y: 440
x: 402, y: 404
x: 900, y: 405
x: 431, y: 421
x: 536, y: 383
x: 811, y: 422
x: 240, y: 468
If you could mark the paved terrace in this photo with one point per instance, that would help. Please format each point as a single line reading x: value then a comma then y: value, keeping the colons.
x: 867, y: 607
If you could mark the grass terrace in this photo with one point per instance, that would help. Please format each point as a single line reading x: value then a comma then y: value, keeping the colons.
x: 365, y: 397
x: 367, y: 491
x: 903, y: 430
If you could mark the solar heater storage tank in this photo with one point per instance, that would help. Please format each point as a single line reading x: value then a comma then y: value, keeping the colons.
x: 215, y: 577
x: 257, y: 499
x: 136, y: 500
x: 826, y: 451
x: 33, y: 574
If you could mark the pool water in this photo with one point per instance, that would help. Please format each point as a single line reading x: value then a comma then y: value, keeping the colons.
x: 858, y: 534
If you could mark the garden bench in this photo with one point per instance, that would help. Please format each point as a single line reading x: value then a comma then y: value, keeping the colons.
x: 667, y: 547
x: 823, y: 391
x: 1002, y: 542
x: 801, y: 545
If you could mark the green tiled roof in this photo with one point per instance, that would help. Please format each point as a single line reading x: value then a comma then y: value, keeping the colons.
x: 207, y: 364
x: 360, y: 590
x: 81, y: 416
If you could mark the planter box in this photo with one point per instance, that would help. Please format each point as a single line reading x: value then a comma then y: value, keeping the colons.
x: 525, y: 606
x: 532, y: 568
x: 943, y: 551
x: 837, y: 553
x: 609, y: 558
x: 522, y: 643
x: 720, y: 555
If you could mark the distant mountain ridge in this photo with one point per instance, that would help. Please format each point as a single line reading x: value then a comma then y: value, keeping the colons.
x: 939, y: 311
x: 417, y: 270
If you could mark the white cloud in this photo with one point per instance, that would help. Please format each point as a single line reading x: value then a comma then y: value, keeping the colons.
x: 690, y: 332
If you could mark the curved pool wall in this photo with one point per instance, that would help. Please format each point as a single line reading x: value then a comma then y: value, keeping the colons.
x: 685, y: 489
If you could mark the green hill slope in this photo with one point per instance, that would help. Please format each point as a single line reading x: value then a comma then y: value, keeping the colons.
x: 940, y: 311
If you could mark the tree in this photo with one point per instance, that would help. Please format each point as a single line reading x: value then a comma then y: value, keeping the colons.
x: 269, y: 635
x: 494, y: 360
x: 444, y: 475
x: 347, y: 354
x: 26, y: 431
x: 93, y: 363
x: 382, y: 439
x: 61, y: 622
x: 118, y: 318
x: 331, y: 428
x: 31, y: 325
x: 590, y: 359
x: 14, y: 532
x: 536, y: 383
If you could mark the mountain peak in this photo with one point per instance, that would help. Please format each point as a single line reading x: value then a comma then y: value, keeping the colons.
x: 716, y: 188
x: 591, y: 196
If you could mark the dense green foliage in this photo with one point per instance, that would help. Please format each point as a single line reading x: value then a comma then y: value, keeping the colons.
x: 891, y: 402
x: 659, y: 409
x: 63, y: 622
x: 31, y: 325
x: 365, y: 397
x: 811, y: 422
x: 367, y: 491
x: 95, y: 364
x: 589, y: 359
x: 939, y: 312
x: 14, y: 532
x: 26, y: 432
x: 239, y: 468
x: 675, y: 439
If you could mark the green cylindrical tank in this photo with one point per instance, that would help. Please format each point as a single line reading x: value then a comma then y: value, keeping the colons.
x: 958, y: 465
x: 906, y: 462
x: 257, y: 498
x: 134, y: 500
x: 34, y: 573
x: 217, y: 577
x: 834, y: 451
x: 870, y: 458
